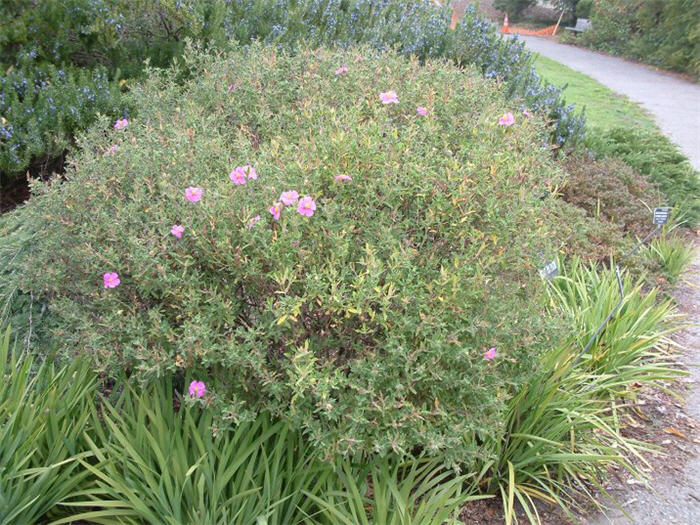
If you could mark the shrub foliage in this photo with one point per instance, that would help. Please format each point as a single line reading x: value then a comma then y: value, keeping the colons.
x: 41, y: 109
x: 613, y: 192
x: 366, y: 323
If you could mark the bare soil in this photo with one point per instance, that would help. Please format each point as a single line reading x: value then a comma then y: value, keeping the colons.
x: 14, y: 189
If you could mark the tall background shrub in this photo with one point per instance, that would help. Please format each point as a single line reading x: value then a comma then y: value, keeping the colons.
x: 664, y: 33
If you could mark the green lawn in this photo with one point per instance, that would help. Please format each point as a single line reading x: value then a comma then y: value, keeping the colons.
x: 605, y: 109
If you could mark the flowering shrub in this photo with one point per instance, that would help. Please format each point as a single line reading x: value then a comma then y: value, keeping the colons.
x: 396, y: 307
x: 41, y: 108
x: 119, y: 35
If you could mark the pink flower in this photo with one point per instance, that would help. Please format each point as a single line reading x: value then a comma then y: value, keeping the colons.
x: 193, y: 194
x: 490, y: 353
x: 111, y: 279
x: 389, y: 97
x: 289, y: 197
x: 507, y: 119
x: 526, y: 113
x: 306, y: 206
x: 121, y: 124
x: 237, y: 176
x: 197, y: 389
x: 275, y: 210
x: 341, y: 70
x: 421, y: 111
x: 112, y: 150
x: 250, y: 172
x: 342, y: 178
x: 177, y: 230
x: 255, y: 220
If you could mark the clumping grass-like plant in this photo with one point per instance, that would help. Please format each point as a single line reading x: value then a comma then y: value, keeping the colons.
x: 673, y: 253
x: 390, y: 492
x: 159, y: 464
x: 632, y: 336
x: 564, y: 428
x: 293, y: 231
x: 45, y: 418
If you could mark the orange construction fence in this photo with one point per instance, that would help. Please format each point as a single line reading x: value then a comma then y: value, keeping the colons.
x: 506, y: 29
x: 545, y: 31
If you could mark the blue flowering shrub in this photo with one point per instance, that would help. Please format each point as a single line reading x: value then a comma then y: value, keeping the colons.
x: 41, y: 109
x: 119, y: 36
x: 305, y: 241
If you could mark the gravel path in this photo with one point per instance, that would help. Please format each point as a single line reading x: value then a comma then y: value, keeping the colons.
x: 674, y: 497
x: 674, y: 103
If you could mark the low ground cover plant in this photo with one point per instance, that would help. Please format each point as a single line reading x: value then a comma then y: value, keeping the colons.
x: 326, y: 236
x: 656, y: 157
x: 612, y: 191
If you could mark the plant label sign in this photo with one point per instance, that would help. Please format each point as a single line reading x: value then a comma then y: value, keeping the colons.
x: 661, y: 215
x: 549, y: 270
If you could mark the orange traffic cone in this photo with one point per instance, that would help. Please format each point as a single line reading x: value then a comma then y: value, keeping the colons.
x: 505, y: 29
